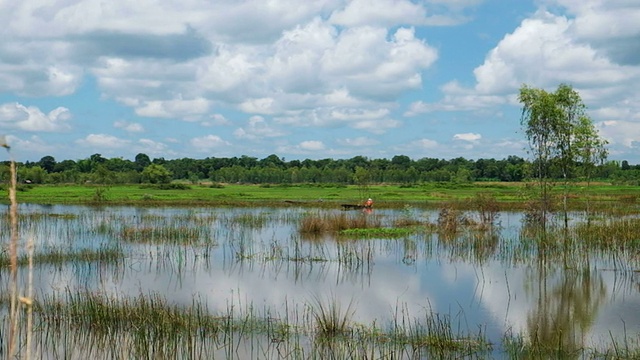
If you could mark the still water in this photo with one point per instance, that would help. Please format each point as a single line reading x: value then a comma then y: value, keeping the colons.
x: 240, y: 257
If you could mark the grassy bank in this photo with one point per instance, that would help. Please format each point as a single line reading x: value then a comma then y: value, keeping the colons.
x: 316, y: 195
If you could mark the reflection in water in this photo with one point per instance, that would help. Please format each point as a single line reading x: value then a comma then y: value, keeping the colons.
x: 567, y: 304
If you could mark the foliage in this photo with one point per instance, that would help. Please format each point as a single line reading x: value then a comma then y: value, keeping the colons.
x: 560, y: 134
x: 156, y: 174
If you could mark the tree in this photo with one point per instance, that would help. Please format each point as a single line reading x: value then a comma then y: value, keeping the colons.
x: 156, y: 174
x: 48, y: 163
x: 559, y: 134
x: 142, y: 161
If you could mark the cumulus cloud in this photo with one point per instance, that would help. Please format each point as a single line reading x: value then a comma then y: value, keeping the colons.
x: 471, y: 137
x: 129, y: 127
x: 31, y: 118
x: 424, y: 144
x: 257, y: 128
x: 358, y: 141
x: 208, y: 143
x: 151, y: 147
x: 626, y: 133
x: 216, y: 120
x: 103, y: 141
x: 312, y: 145
x: 380, y: 12
x: 191, y: 109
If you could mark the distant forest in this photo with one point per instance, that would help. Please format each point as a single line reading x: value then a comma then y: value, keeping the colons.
x: 275, y: 170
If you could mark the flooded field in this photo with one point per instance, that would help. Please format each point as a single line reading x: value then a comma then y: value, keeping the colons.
x: 248, y: 283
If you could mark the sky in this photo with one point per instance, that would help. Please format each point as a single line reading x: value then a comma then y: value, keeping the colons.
x: 308, y: 79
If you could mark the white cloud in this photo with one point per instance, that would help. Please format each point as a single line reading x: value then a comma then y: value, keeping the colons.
x: 622, y: 132
x: 151, y: 147
x: 380, y: 12
x: 103, y: 141
x: 216, y: 120
x: 360, y: 141
x: 190, y: 110
x: 471, y: 137
x: 424, y: 144
x: 376, y: 126
x: 312, y: 145
x: 34, y: 146
x: 129, y: 127
x: 257, y: 128
x: 208, y: 143
x: 18, y: 116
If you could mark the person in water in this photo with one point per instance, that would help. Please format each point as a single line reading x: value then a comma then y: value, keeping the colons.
x: 368, y: 203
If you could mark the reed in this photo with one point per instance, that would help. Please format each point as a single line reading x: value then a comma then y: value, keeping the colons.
x: 331, y: 319
x: 178, y: 235
x: 610, y: 233
x: 103, y: 254
x: 336, y: 222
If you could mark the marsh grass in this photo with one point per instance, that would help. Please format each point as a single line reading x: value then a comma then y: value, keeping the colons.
x: 148, y: 326
x: 381, y: 232
x: 176, y: 235
x: 331, y: 318
x: 314, y: 223
x: 611, y: 233
x: 103, y: 254
x: 517, y: 346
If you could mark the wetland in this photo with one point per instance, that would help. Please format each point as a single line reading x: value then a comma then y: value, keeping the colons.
x: 300, y: 282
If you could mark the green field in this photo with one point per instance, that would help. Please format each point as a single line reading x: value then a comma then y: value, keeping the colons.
x: 309, y: 195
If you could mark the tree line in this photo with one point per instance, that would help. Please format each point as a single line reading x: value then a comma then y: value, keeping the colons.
x: 400, y: 169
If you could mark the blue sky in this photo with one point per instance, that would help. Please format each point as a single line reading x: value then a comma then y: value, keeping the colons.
x: 308, y: 79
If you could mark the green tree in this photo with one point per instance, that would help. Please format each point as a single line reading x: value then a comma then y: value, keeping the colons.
x: 559, y: 134
x: 142, y: 161
x: 48, y: 163
x: 156, y: 174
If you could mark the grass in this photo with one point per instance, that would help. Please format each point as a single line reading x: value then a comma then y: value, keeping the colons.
x: 319, y: 223
x: 180, y: 235
x: 103, y: 254
x: 148, y: 326
x: 428, y: 194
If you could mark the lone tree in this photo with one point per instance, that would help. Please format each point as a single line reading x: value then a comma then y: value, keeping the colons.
x: 561, y: 136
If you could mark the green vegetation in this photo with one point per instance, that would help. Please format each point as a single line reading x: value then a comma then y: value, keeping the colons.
x: 147, y: 326
x: 428, y: 195
x: 103, y: 254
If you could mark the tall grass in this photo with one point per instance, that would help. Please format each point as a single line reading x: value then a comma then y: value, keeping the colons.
x: 314, y: 223
x: 147, y: 326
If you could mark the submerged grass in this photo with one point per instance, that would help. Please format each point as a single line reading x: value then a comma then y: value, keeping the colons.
x: 104, y: 254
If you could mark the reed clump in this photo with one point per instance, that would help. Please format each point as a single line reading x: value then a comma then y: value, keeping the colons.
x: 179, y: 235
x: 333, y: 223
x: 610, y: 233
x: 103, y: 254
x: 331, y: 318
